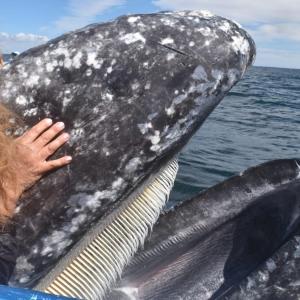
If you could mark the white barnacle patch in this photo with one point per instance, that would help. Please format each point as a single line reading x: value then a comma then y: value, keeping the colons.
x: 88, y: 72
x: 240, y: 44
x: 147, y: 86
x: 8, y: 84
x: 31, y: 112
x: 167, y: 40
x: 202, y: 13
x: 271, y: 265
x: 21, y: 69
x: 196, y: 13
x: 109, y: 70
x: 144, y: 128
x: 21, y: 100
x: 135, y: 86
x: 218, y: 75
x: 168, y: 22
x: 199, y: 73
x: 118, y: 183
x: 50, y: 66
x: 38, y: 61
x: 133, y: 19
x: 55, y: 243
x: 79, y: 219
x: 77, y: 60
x: 32, y: 80
x: 130, y: 292
x: 93, y: 201
x: 179, y: 99
x: 47, y: 81
x: 66, y: 101
x: 170, y: 110
x: 152, y: 116
x: 5, y: 93
x: 24, y: 267
x: 233, y: 75
x: 171, y: 56
x: 67, y: 98
x: 58, y: 52
x: 93, y: 61
x: 225, y: 26
x: 206, y: 31
x: 67, y: 63
x: 76, y: 134
x: 130, y: 38
x: 132, y: 165
x: 76, y: 222
x: 105, y: 151
x: 155, y: 139
x: 109, y: 96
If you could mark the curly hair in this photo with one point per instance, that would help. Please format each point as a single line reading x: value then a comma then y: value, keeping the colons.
x: 1, y: 60
x: 9, y: 124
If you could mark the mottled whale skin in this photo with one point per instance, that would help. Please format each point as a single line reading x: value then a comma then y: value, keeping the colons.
x: 205, y: 247
x: 276, y: 279
x: 131, y: 93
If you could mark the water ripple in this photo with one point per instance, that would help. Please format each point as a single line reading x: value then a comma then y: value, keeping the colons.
x: 258, y: 121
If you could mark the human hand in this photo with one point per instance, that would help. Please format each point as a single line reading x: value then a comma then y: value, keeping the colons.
x: 33, y: 149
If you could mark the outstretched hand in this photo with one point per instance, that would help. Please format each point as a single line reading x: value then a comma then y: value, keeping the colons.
x: 33, y: 149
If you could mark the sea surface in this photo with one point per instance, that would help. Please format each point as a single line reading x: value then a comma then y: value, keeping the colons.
x: 258, y: 121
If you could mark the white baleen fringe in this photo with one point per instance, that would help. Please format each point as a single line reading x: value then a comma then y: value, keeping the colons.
x: 97, y: 267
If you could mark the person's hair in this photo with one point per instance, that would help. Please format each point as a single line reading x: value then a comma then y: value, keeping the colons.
x: 9, y: 124
x: 1, y: 60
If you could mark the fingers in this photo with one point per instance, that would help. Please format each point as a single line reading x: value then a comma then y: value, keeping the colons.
x: 54, y: 145
x: 30, y: 135
x: 55, y: 164
x: 47, y: 136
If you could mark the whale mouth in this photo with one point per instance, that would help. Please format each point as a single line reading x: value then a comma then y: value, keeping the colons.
x: 98, y: 259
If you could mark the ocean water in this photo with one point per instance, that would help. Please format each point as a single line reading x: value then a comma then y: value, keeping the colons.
x: 258, y: 121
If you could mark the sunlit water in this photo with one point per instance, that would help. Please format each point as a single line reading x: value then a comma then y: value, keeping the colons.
x: 258, y: 121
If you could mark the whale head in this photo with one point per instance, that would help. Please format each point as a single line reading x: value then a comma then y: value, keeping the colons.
x: 131, y: 93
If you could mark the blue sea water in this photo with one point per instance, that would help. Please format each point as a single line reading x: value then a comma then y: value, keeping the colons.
x: 258, y: 121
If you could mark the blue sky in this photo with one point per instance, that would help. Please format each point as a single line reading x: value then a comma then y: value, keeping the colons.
x: 274, y: 24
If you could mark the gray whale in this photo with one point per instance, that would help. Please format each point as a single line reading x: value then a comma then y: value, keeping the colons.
x: 206, y: 247
x: 276, y: 278
x: 131, y: 93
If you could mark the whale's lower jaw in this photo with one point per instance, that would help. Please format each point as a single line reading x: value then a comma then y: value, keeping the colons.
x: 97, y: 261
x: 207, y: 246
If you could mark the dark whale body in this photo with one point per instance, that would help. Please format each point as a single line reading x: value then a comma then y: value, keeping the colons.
x: 131, y: 93
x: 277, y: 278
x: 207, y: 246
